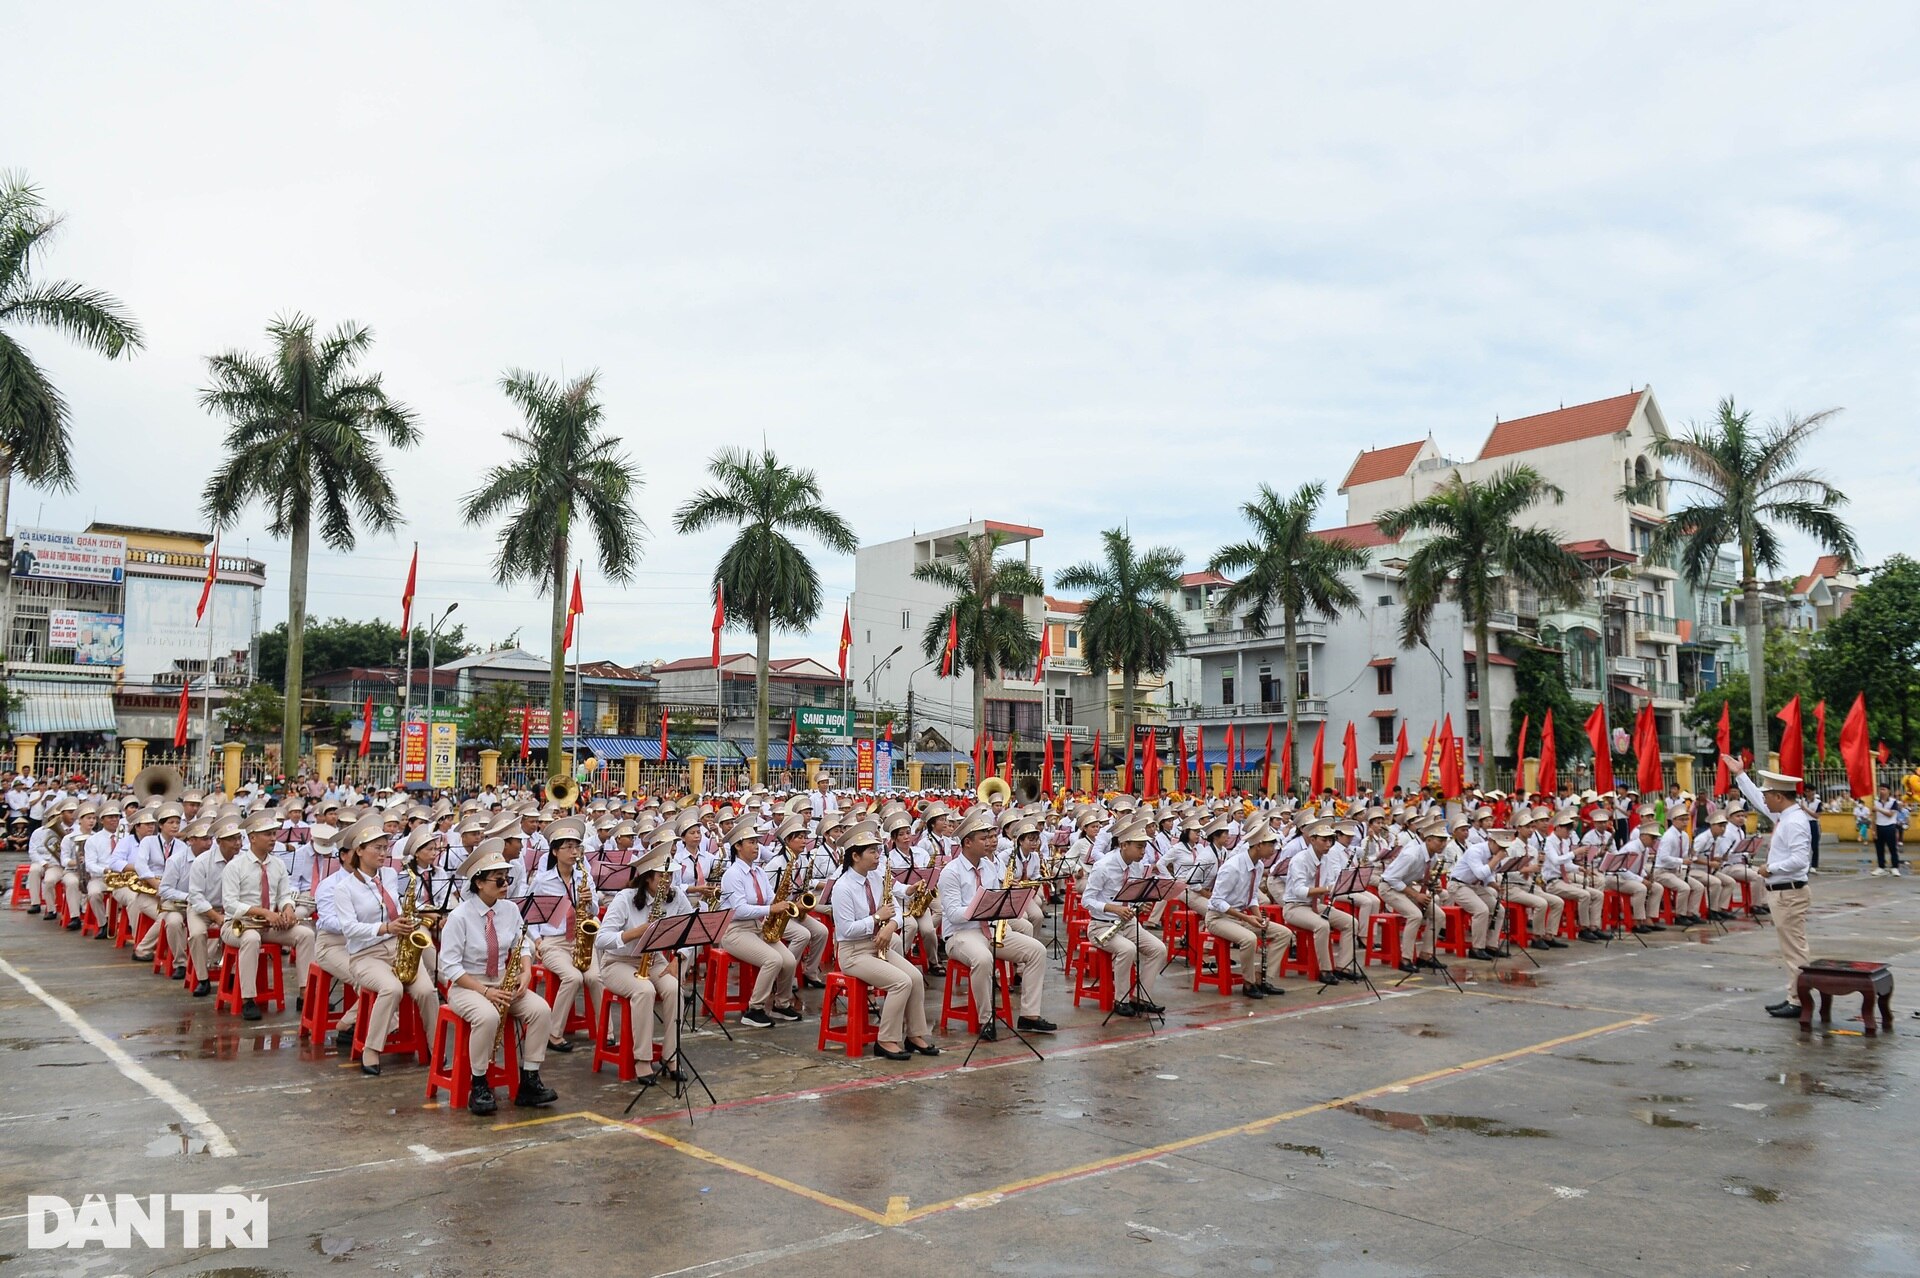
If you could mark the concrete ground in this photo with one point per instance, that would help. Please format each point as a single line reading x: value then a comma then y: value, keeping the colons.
x: 1623, y: 1110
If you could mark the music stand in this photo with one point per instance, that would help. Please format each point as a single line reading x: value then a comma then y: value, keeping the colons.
x: 691, y: 1023
x: 1507, y: 866
x: 994, y: 905
x: 1615, y: 863
x: 1134, y: 893
x: 671, y: 934
x: 1349, y: 882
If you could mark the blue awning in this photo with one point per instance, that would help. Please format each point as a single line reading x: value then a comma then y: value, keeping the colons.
x: 941, y: 758
x: 646, y: 749
x: 60, y: 705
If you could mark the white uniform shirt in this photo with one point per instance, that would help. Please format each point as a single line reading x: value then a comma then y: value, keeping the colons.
x: 959, y: 884
x: 855, y: 898
x: 463, y: 940
x: 1236, y: 886
x: 1303, y: 874
x: 203, y: 884
x: 547, y: 882
x: 1790, y: 850
x: 1408, y: 867
x: 747, y: 890
x: 625, y: 912
x: 240, y: 884
x: 1104, y: 881
x: 359, y: 910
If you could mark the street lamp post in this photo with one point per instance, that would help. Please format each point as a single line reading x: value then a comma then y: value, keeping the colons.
x: 433, y: 671
x: 930, y: 661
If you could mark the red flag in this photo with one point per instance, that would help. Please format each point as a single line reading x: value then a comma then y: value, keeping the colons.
x: 1548, y: 780
x: 1820, y: 732
x: 1286, y: 762
x: 986, y: 758
x: 888, y: 735
x: 1400, y: 751
x: 1452, y: 778
x: 793, y: 734
x: 1266, y: 764
x: 1180, y: 735
x: 406, y: 594
x: 1853, y: 748
x: 1646, y: 752
x: 663, y: 734
x: 1200, y: 758
x: 526, y: 730
x: 1723, y: 742
x: 1046, y: 650
x: 366, y: 727
x: 1128, y: 788
x: 180, y: 720
x: 1602, y: 749
x: 206, y: 589
x: 1006, y: 766
x: 1150, y: 787
x: 846, y: 640
x: 1350, y: 765
x: 1886, y: 755
x: 1426, y: 757
x: 574, y: 609
x: 1520, y: 756
x: 1793, y: 746
x: 1046, y: 767
x: 1316, y: 781
x: 953, y: 643
x: 719, y: 619
x: 1230, y: 756
x: 1096, y: 760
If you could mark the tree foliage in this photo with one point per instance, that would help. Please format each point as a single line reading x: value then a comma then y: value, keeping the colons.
x: 339, y: 644
x: 1128, y: 626
x: 1874, y: 647
x: 992, y: 633
x: 1787, y: 676
x: 1540, y: 684
x: 496, y: 713
x: 256, y: 711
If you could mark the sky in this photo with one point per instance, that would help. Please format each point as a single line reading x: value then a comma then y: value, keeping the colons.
x: 1066, y: 265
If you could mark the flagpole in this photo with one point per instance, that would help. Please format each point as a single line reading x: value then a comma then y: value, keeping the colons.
x: 206, y: 690
x: 406, y: 696
x: 579, y: 710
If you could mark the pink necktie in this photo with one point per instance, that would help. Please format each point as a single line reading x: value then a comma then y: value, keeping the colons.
x: 759, y: 897
x: 266, y: 889
x: 493, y: 947
x: 393, y: 910
x: 871, y: 905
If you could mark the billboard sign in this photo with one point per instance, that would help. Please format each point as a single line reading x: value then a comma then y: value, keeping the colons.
x: 413, y: 754
x: 441, y: 748
x: 883, y: 765
x: 863, y: 763
x: 163, y: 636
x: 48, y: 555
x: 825, y: 722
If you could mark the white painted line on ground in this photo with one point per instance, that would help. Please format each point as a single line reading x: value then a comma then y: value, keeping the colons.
x: 159, y: 1088
x: 749, y: 1259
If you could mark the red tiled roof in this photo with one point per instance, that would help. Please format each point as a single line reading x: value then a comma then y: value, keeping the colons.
x: 1493, y: 658
x: 1597, y: 548
x: 1013, y: 530
x: 1362, y: 535
x: 1381, y: 463
x: 1824, y: 566
x: 1065, y: 605
x: 1563, y: 425
x: 1204, y: 579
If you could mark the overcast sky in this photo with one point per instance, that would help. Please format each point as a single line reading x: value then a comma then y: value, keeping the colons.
x: 1063, y: 265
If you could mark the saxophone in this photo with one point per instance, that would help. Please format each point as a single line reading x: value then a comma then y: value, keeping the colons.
x: 415, y: 940
x: 886, y: 894
x: 585, y: 926
x: 510, y: 984
x: 653, y: 916
x: 711, y: 896
x: 921, y: 897
x: 776, y: 925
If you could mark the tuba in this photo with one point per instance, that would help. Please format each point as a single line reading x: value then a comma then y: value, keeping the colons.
x: 563, y: 791
x: 414, y: 941
x: 159, y: 784
x: 992, y: 788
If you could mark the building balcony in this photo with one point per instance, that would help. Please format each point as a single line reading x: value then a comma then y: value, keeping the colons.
x: 1667, y: 695
x: 1657, y: 630
x: 1225, y: 635
x: 1627, y: 667
x: 1613, y: 590
x: 1310, y: 708
x: 1502, y: 619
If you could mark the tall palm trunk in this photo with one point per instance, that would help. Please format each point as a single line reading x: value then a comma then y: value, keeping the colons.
x: 6, y: 490
x: 557, y: 668
x: 1291, y: 691
x: 296, y: 640
x: 762, y: 653
x: 979, y: 712
x: 1756, y: 628
x: 1483, y: 671
x: 1129, y: 691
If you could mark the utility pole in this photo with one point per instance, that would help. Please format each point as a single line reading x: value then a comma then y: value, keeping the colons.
x: 909, y: 754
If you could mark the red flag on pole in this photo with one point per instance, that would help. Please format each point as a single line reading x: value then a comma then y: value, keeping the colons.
x: 1286, y: 762
x: 1266, y: 765
x: 1006, y: 766
x: 1150, y: 787
x: 1350, y: 765
x: 1230, y: 785
x: 1400, y: 751
x: 1520, y: 756
x: 1180, y: 736
x: 1046, y: 767
x: 206, y: 588
x: 1793, y: 746
x: 793, y: 734
x: 1820, y: 732
x: 1602, y: 749
x: 953, y: 643
x: 526, y: 730
x: 1317, y: 780
x: 1548, y: 780
x: 366, y: 727
x: 406, y: 594
x: 846, y: 640
x: 1452, y: 772
x: 180, y: 720
x: 1646, y: 751
x: 1426, y: 758
x: 1723, y: 742
x: 1128, y: 787
x: 1885, y: 755
x: 1853, y: 748
x: 1096, y: 760
x: 719, y: 619
x: 663, y: 734
x: 574, y: 609
x: 1046, y: 650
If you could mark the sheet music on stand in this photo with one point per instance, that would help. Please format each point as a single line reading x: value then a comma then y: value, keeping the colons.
x: 543, y: 908
x: 613, y: 878
x: 1618, y: 863
x: 988, y: 907
x: 1508, y: 865
x: 671, y: 934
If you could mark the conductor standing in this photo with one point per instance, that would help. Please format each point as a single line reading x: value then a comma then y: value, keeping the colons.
x: 1789, y: 855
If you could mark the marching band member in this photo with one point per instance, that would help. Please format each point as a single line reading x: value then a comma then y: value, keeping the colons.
x: 1339, y: 858
x: 73, y: 859
x: 1560, y: 875
x: 1130, y: 944
x: 1545, y: 910
x: 1705, y: 867
x: 474, y: 944
x: 1026, y: 864
x: 903, y: 854
x: 43, y: 861
x: 330, y: 936
x: 1724, y: 841
x: 1643, y: 897
x: 175, y: 886
x: 793, y: 835
x: 1404, y: 890
x: 965, y: 877
x: 1300, y: 904
x: 1199, y: 851
x: 746, y: 890
x: 1470, y: 886
x: 866, y: 919
x: 1670, y: 865
x: 256, y: 886
x: 149, y: 860
x: 205, y: 915
x: 1233, y: 911
x: 654, y: 997
x: 562, y: 878
x: 1789, y: 854
x: 366, y: 906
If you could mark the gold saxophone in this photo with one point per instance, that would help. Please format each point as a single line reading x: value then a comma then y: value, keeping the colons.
x: 510, y: 983
x: 803, y: 894
x: 129, y: 878
x: 921, y: 897
x: 585, y: 925
x: 653, y: 916
x: 886, y: 894
x: 711, y: 897
x: 776, y: 924
x: 415, y: 940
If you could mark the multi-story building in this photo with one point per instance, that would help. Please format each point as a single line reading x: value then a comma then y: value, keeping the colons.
x: 1081, y: 701
x: 692, y: 688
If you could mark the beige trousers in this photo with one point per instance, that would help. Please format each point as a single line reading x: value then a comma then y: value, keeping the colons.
x: 903, y: 1010
x: 1747, y: 874
x: 656, y: 998
x: 1585, y: 901
x: 1028, y: 957
x: 247, y: 942
x: 1543, y: 909
x: 1331, y: 933
x: 557, y: 957
x: 373, y: 970
x: 40, y: 881
x: 778, y: 964
x: 203, y: 942
x: 530, y: 1012
x: 1132, y: 944
x: 330, y: 955
x: 1479, y: 911
x: 1254, y: 966
x: 1634, y: 889
x: 1790, y: 925
x: 140, y: 905
x: 97, y: 898
x: 815, y: 952
x: 1688, y: 892
x: 1420, y: 924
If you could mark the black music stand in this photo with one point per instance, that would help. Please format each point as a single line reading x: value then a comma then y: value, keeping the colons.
x: 1615, y: 863
x: 1135, y: 893
x: 994, y: 905
x: 1509, y: 865
x: 699, y: 1001
x: 1348, y: 882
x: 667, y: 937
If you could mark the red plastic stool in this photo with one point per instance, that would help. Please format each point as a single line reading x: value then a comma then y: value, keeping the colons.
x: 117, y: 921
x: 66, y: 906
x: 1301, y: 958
x: 1518, y: 927
x: 1223, y: 978
x: 857, y: 1032
x: 1617, y: 911
x: 1459, y: 937
x: 163, y: 952
x: 969, y: 1012
x: 447, y: 1071
x: 18, y: 900
x: 1176, y: 929
x: 409, y: 1036
x: 620, y: 1055
x: 1569, y: 919
x: 90, y: 924
x: 547, y: 985
x: 272, y: 991
x: 726, y: 996
x: 1383, y: 937
x: 317, y: 1018
x: 1093, y: 976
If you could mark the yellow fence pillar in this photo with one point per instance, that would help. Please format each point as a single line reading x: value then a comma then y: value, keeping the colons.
x: 23, y: 749
x: 697, y: 774
x: 136, y: 757
x: 813, y: 770
x: 914, y: 768
x: 1529, y: 775
x: 1085, y: 773
x: 323, y: 761
x: 489, y: 767
x: 962, y: 772
x: 1219, y: 771
x: 230, y: 752
x: 1683, y: 772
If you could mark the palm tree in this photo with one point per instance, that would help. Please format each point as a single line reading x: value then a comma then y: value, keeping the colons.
x: 1745, y: 482
x: 33, y: 416
x: 1285, y: 565
x: 566, y: 466
x: 1128, y: 625
x: 1475, y: 546
x: 306, y: 428
x: 766, y: 579
x: 993, y: 636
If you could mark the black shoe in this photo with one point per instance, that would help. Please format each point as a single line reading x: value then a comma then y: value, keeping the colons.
x: 481, y: 1101
x: 138, y: 957
x: 299, y: 1002
x: 533, y: 1093
x: 1774, y: 1007
x: 790, y: 1013
x: 990, y: 1034
x: 1430, y: 964
x: 1785, y: 1011
x: 563, y: 1046
x: 74, y: 926
x: 887, y: 1053
x: 1540, y: 943
x: 1408, y: 968
x: 1035, y: 1025
x: 249, y: 1010
x: 1761, y: 911
x: 32, y: 910
x: 180, y: 973
x: 1555, y: 943
x: 808, y: 983
x: 1270, y: 990
x: 925, y: 1049
x: 1483, y: 955
x: 1656, y: 927
x: 1124, y: 1008
x: 1252, y: 991
x: 1149, y: 1006
x: 202, y: 988
x: 371, y: 1071
x: 754, y: 1018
